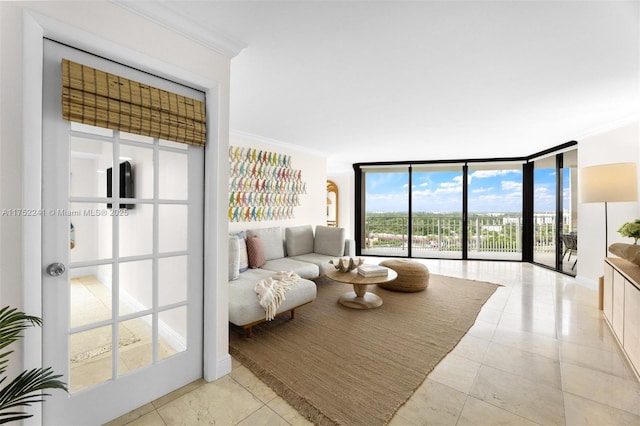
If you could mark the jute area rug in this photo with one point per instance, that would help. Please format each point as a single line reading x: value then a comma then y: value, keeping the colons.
x: 337, y: 365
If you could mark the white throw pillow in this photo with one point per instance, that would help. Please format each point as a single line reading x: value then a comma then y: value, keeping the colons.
x: 234, y: 258
x: 242, y: 251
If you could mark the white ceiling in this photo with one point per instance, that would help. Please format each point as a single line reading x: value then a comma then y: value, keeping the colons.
x: 421, y: 80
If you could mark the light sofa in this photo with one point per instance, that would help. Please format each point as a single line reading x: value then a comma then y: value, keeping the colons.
x: 298, y: 249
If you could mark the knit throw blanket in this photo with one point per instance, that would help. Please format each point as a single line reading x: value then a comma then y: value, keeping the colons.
x: 271, y: 291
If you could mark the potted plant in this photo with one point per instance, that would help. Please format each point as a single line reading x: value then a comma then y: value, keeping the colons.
x: 25, y: 389
x: 631, y: 229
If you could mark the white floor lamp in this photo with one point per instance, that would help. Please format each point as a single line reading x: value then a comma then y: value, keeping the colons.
x: 608, y: 183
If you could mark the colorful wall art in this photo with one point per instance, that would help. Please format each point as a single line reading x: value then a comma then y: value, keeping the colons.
x: 262, y: 185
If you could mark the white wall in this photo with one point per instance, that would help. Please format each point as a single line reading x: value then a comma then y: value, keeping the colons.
x: 346, y: 201
x: 111, y: 25
x: 312, y: 208
x: 619, y: 145
x: 10, y: 153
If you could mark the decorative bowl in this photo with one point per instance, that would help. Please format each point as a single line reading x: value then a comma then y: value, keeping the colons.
x: 347, y: 264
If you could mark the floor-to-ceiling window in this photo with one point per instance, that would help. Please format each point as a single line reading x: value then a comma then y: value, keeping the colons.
x: 504, y: 209
x: 436, y: 211
x: 569, y: 260
x: 555, y: 211
x: 494, y: 224
x: 544, y: 211
x: 386, y: 218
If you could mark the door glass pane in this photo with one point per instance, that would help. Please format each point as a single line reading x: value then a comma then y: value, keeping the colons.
x: 495, y: 211
x: 176, y: 145
x: 173, y: 177
x: 136, y: 138
x: 136, y: 286
x: 136, y: 230
x: 90, y: 295
x: 172, y: 329
x: 570, y: 212
x: 172, y: 220
x: 437, y: 212
x: 386, y: 212
x: 172, y: 280
x: 544, y: 211
x: 90, y: 358
x: 141, y: 161
x: 135, y: 348
x: 93, y: 130
x: 90, y: 232
x: 89, y: 162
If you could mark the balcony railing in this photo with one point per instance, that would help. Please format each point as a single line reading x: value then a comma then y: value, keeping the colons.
x: 491, y: 233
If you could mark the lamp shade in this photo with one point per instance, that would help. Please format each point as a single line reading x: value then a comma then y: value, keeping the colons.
x: 609, y: 183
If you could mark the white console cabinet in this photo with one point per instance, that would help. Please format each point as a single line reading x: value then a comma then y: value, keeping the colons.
x: 621, y: 306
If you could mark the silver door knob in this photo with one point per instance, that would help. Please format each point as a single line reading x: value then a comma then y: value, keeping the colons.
x: 56, y: 269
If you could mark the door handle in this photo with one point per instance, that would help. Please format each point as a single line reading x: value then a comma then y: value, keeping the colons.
x: 56, y: 269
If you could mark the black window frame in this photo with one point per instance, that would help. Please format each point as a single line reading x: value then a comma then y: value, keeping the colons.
x: 527, y: 198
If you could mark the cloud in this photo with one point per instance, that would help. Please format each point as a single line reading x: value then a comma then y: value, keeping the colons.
x: 453, y: 189
x: 449, y: 184
x: 482, y: 190
x: 509, y: 185
x: 481, y: 174
x: 541, y: 191
x: 423, y: 194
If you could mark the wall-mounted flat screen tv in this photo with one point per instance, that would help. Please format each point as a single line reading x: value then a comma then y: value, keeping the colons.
x: 126, y: 184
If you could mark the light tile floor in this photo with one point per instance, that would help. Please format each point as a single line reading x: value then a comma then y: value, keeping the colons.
x: 539, y: 353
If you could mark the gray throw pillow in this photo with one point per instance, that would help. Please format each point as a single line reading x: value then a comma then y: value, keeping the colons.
x: 299, y: 240
x: 329, y: 240
x: 271, y: 241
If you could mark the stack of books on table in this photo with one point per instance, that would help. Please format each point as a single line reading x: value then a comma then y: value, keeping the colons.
x: 372, y: 271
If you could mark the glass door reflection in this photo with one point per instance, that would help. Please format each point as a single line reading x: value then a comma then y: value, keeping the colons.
x: 544, y: 211
x: 569, y: 231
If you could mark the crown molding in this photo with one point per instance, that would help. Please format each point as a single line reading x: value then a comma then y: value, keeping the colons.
x: 333, y: 168
x: 170, y: 16
x: 268, y: 141
x: 612, y: 125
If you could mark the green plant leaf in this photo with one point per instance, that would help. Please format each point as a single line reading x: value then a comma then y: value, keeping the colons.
x: 26, y: 389
x: 13, y: 416
x: 12, y: 323
x: 631, y: 229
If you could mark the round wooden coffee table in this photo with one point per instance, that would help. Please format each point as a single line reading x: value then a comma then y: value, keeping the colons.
x: 359, y: 298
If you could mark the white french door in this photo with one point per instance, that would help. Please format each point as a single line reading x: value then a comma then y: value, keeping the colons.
x: 122, y: 226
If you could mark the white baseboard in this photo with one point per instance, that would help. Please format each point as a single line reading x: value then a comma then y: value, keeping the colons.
x: 223, y: 366
x: 587, y: 282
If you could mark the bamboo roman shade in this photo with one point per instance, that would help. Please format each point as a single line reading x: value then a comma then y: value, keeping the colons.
x: 97, y: 98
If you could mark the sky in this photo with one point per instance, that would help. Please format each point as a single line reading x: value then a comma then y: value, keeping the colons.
x: 490, y: 191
